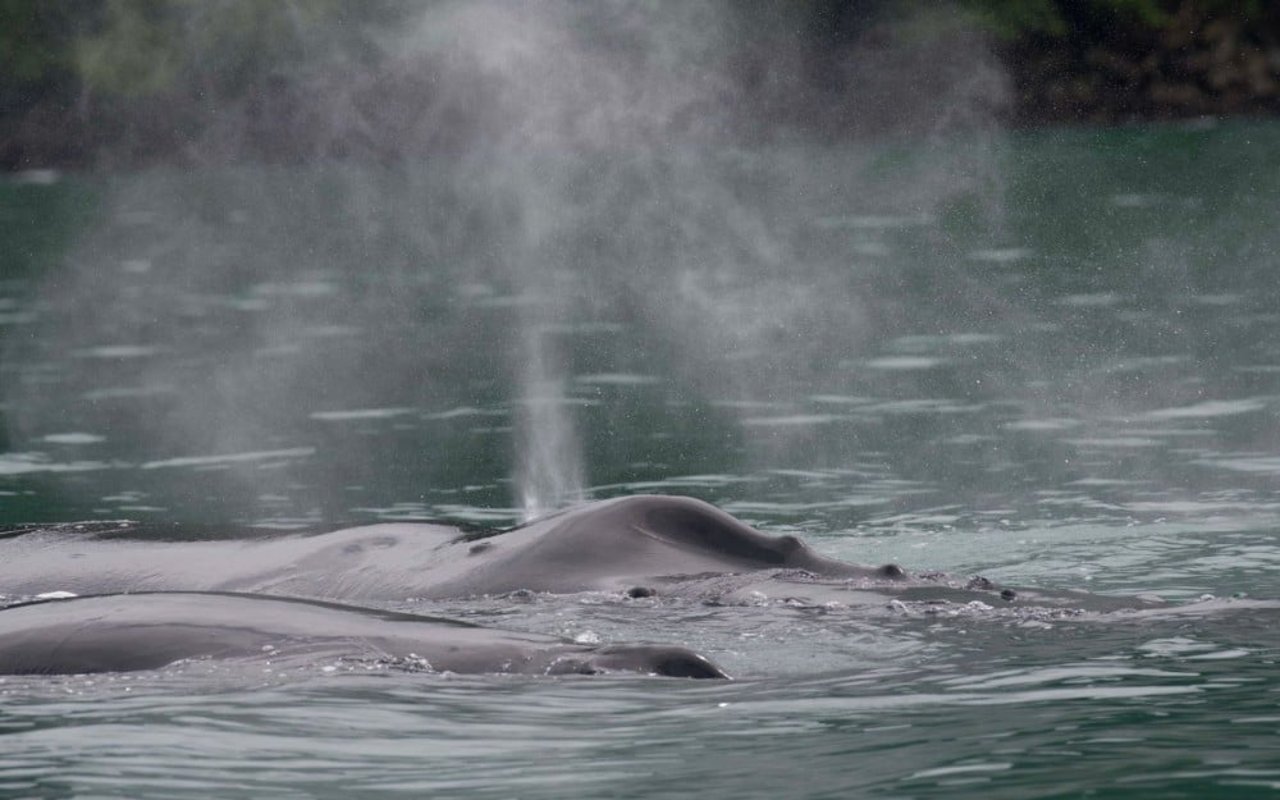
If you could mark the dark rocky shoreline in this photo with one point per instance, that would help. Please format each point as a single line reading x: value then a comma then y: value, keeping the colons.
x: 1193, y: 66
x: 1195, y: 63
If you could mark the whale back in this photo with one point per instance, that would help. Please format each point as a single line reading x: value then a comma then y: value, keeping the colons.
x: 124, y: 633
x: 613, y: 545
x: 622, y: 543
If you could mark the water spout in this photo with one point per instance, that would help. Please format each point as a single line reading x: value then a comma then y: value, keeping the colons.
x: 549, y: 471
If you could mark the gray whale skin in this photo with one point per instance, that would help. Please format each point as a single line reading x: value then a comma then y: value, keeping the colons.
x: 230, y: 598
x: 612, y: 545
x: 127, y: 632
x: 156, y: 602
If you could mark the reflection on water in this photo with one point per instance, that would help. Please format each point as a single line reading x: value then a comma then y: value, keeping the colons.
x: 1079, y: 391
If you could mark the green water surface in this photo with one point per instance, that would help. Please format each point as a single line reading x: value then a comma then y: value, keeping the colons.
x: 1051, y: 358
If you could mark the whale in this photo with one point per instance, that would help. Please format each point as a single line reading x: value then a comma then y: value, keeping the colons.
x: 639, y: 544
x: 153, y: 594
x: 636, y: 546
x: 150, y: 631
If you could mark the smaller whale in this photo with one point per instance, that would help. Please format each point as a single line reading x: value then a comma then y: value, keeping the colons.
x: 147, y: 631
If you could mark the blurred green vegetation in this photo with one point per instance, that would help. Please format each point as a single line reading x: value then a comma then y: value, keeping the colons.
x: 77, y: 75
x: 138, y: 47
x: 1012, y: 19
x: 141, y: 47
x: 62, y: 61
x: 131, y: 48
x: 36, y: 47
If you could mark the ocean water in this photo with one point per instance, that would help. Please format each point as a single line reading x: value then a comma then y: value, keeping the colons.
x: 1052, y: 359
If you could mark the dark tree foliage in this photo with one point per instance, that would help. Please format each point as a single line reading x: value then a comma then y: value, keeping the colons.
x: 76, y: 75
